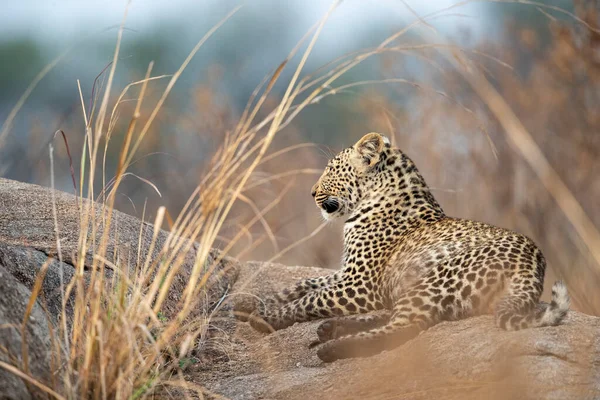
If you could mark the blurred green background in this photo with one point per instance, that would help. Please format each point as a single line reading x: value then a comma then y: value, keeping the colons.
x: 248, y: 47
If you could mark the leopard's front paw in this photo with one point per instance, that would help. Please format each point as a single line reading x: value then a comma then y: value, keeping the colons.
x: 244, y: 306
x: 328, y: 330
x: 335, y: 350
x: 258, y: 322
x: 348, y: 347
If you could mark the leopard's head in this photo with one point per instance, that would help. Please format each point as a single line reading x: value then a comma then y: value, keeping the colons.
x: 348, y: 176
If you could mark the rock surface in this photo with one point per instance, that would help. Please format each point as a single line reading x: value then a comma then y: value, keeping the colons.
x: 468, y: 359
x: 14, y: 298
x: 28, y: 242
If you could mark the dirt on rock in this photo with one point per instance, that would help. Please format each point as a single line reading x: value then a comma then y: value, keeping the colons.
x: 467, y: 359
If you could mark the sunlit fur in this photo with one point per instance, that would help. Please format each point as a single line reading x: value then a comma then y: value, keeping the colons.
x: 405, y: 257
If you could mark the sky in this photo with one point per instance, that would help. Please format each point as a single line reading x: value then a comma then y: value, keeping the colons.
x: 62, y: 19
x: 249, y: 45
x: 258, y: 36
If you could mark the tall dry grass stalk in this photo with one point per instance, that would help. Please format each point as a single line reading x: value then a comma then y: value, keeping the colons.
x: 118, y: 346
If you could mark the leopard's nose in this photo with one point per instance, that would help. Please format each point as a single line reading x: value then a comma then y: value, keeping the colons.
x: 330, y: 205
x: 313, y: 193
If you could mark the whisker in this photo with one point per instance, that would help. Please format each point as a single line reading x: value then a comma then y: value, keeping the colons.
x: 324, y: 151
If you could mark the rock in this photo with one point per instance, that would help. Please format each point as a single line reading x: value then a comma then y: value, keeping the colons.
x: 26, y: 219
x: 467, y: 359
x: 28, y: 242
x: 24, y: 263
x: 13, y: 303
x: 28, y: 239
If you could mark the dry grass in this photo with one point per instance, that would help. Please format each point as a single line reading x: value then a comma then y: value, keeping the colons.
x: 123, y: 349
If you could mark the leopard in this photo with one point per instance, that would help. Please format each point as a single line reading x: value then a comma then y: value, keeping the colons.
x: 406, y: 265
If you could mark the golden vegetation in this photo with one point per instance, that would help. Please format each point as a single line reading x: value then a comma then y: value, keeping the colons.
x: 472, y: 139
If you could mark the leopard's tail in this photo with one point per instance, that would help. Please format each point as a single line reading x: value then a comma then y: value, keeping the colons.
x: 553, y: 313
x: 512, y: 314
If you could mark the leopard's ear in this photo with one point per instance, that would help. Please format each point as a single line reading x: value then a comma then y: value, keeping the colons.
x: 370, y: 147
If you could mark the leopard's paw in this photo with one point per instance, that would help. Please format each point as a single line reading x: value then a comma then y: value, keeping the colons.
x: 333, y: 351
x: 328, y: 330
x: 258, y: 322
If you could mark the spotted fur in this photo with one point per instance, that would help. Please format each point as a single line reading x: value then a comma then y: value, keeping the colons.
x: 404, y: 257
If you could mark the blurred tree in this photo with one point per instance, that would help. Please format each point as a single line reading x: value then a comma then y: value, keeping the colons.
x: 21, y: 59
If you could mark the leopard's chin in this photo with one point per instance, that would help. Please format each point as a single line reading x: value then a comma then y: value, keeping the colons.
x: 332, y: 216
